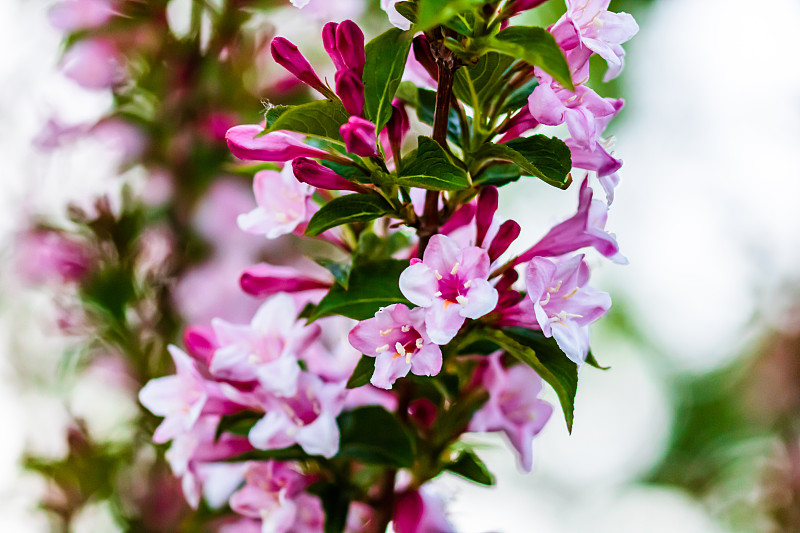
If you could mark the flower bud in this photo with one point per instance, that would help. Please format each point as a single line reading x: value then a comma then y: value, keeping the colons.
x: 359, y: 137
x: 329, y: 42
x: 265, y: 280
x: 274, y: 146
x: 487, y: 206
x: 350, y: 44
x: 424, y: 56
x: 518, y: 6
x: 398, y: 125
x: 506, y: 234
x: 310, y: 172
x: 289, y: 57
x: 200, y: 343
x: 350, y: 89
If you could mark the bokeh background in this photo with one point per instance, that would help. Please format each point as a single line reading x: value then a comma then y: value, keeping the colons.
x: 696, y: 426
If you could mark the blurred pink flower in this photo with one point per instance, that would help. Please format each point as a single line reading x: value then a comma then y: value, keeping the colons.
x: 75, y: 15
x: 93, y: 64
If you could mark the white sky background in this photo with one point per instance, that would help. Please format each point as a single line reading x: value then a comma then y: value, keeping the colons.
x: 706, y: 214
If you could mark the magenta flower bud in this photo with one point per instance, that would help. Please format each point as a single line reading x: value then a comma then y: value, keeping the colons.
x: 329, y: 42
x: 487, y: 205
x: 424, y: 56
x: 508, y: 279
x: 289, y: 57
x: 506, y: 234
x: 521, y: 122
x: 309, y: 171
x: 274, y: 146
x: 460, y: 218
x: 350, y: 89
x: 359, y: 137
x: 263, y: 280
x: 200, y: 343
x: 350, y: 44
x: 398, y: 124
x: 518, y: 6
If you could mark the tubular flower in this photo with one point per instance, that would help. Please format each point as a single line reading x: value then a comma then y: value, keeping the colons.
x: 563, y: 304
x: 451, y: 283
x: 396, y: 337
x: 245, y: 144
x: 282, y: 204
x: 359, y: 137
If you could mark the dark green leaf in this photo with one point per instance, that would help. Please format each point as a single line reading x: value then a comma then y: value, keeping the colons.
x: 547, y: 158
x: 373, y: 435
x: 498, y: 175
x: 431, y: 13
x: 535, y: 46
x: 591, y: 361
x: 429, y: 167
x: 345, y: 210
x: 340, y: 271
x: 407, y: 10
x: 373, y: 248
x: 239, y: 423
x: 479, y: 84
x: 293, y: 453
x: 373, y: 285
x: 362, y: 373
x: 273, y: 113
x: 386, y: 57
x: 547, y: 360
x: 336, y: 505
x: 323, y: 118
x: 469, y: 466
x: 519, y: 98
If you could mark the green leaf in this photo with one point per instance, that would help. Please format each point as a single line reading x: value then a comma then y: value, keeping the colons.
x: 386, y: 57
x: 340, y: 271
x: 430, y: 168
x: 407, y: 10
x: 470, y: 466
x: 535, y: 46
x: 323, y: 118
x: 425, y: 104
x: 431, y: 13
x: 373, y: 284
x: 591, y: 361
x: 519, y: 98
x: 373, y: 248
x: 292, y: 453
x: 478, y: 84
x: 549, y: 362
x: 373, y: 435
x: 362, y: 373
x: 498, y: 175
x: 336, y: 504
x: 238, y: 424
x: 345, y: 210
x: 273, y: 113
x: 547, y: 158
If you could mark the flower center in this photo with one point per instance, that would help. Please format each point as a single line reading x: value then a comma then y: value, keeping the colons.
x: 451, y: 286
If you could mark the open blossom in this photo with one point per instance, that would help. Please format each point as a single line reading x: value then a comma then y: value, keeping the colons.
x: 589, y: 24
x: 584, y: 228
x: 600, y: 161
x: 421, y: 511
x: 282, y: 204
x: 274, y: 493
x: 307, y: 419
x: 513, y: 407
x: 563, y: 303
x: 183, y: 397
x: 451, y: 283
x: 396, y: 337
x: 266, y: 350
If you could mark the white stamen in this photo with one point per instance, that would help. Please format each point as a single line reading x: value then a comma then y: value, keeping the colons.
x: 436, y: 273
x: 462, y: 299
x: 401, y: 351
x: 385, y: 332
x: 546, y: 299
x: 381, y: 349
x: 563, y: 315
x: 468, y: 284
x: 253, y: 359
x: 406, y: 328
x: 437, y: 293
x: 455, y: 269
x: 408, y: 358
x: 281, y: 217
x: 419, y: 343
x: 556, y: 288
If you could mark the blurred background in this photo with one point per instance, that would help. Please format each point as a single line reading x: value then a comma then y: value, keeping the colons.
x: 696, y: 426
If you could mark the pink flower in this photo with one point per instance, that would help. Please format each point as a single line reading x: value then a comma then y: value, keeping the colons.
x: 451, y: 283
x: 584, y: 228
x: 396, y: 337
x: 359, y: 137
x: 420, y: 511
x: 75, y: 15
x: 264, y: 280
x: 289, y: 57
x: 273, y: 493
x: 310, y: 172
x: 93, y: 64
x: 395, y: 18
x: 513, y: 406
x: 325, y: 10
x: 585, y: 112
x: 244, y: 143
x: 587, y: 23
x: 307, y: 419
x: 282, y: 204
x: 600, y: 161
x: 266, y: 350
x: 563, y: 304
x: 182, y: 398
x: 48, y: 256
x: 350, y: 90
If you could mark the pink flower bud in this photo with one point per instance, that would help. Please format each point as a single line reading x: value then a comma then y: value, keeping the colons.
x: 289, y: 57
x: 424, y: 56
x: 350, y: 89
x: 350, y: 44
x: 460, y: 218
x: 398, y: 124
x: 487, y: 205
x: 264, y: 280
x: 506, y: 234
x: 93, y: 64
x: 329, y: 42
x: 200, y: 343
x: 518, y: 6
x: 309, y: 171
x: 274, y: 146
x: 48, y: 256
x: 521, y: 122
x: 359, y: 137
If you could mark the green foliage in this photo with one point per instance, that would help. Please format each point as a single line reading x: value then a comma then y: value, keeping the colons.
x: 424, y: 102
x: 433, y: 12
x: 373, y: 435
x: 469, y: 466
x: 479, y: 84
x: 373, y: 284
x: 322, y: 118
x: 430, y: 168
x: 362, y: 373
x: 346, y: 210
x: 547, y: 158
x: 534, y: 46
x: 339, y: 270
x: 386, y: 57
